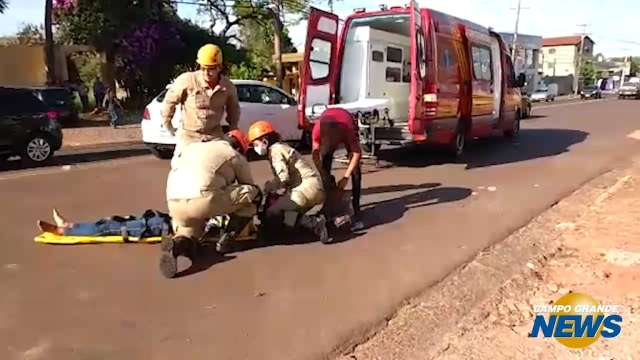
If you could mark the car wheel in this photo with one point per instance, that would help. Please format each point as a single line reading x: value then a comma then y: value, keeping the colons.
x: 515, y: 128
x: 162, y: 152
x: 37, y: 149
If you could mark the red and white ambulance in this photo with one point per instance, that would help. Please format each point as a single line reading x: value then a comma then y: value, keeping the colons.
x: 410, y: 75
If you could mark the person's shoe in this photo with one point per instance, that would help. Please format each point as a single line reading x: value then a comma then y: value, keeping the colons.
x: 358, y: 225
x: 225, y: 244
x: 171, y: 249
x: 320, y: 229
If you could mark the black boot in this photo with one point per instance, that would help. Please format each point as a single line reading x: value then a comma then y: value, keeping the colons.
x: 171, y: 249
x: 317, y: 225
x: 236, y: 224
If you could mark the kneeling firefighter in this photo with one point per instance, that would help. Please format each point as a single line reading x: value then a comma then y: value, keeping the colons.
x: 297, y: 180
x: 208, y: 179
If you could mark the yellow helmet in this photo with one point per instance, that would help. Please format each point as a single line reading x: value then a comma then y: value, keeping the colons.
x: 209, y: 55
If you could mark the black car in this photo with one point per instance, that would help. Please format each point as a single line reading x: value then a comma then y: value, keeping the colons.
x: 591, y: 92
x: 59, y: 100
x: 28, y: 128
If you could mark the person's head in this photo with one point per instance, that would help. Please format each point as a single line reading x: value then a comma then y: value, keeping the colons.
x: 210, y: 61
x: 262, y: 135
x: 238, y: 141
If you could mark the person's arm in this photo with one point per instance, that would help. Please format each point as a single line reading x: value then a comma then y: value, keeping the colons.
x: 242, y: 170
x: 353, y: 144
x: 176, y: 94
x: 280, y: 165
x: 233, y: 108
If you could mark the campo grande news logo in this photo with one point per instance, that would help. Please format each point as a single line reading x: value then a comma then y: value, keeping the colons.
x: 577, y: 320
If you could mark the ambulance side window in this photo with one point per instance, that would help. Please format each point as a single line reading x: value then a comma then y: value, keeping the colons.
x: 319, y: 58
x: 422, y: 68
x: 377, y: 56
x: 394, y: 54
x: 481, y: 63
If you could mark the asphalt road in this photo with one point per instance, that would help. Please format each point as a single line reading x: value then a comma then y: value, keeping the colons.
x: 297, y: 300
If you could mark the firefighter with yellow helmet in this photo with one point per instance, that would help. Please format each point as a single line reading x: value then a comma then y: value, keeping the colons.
x: 205, y: 96
x: 297, y: 180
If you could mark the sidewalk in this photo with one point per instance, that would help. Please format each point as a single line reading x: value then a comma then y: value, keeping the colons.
x: 94, y: 131
x: 598, y: 254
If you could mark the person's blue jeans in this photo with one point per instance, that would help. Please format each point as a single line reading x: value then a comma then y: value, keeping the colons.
x: 150, y: 225
x: 115, y: 116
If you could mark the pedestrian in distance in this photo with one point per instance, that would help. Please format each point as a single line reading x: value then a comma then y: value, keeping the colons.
x: 295, y: 179
x: 334, y: 129
x: 114, y: 107
x: 205, y: 95
x: 99, y: 92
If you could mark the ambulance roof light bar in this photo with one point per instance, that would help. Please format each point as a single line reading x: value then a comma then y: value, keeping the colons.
x: 359, y: 10
x: 384, y: 7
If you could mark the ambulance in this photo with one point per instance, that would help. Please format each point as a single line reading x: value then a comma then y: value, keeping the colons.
x: 410, y: 75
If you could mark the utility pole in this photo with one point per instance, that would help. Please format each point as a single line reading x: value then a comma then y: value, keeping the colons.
x: 276, y: 11
x: 330, y: 5
x: 515, y: 34
x: 581, y: 52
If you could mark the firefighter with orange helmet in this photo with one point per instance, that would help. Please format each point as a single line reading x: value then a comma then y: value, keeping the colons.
x: 205, y: 96
x: 209, y: 179
x: 296, y: 179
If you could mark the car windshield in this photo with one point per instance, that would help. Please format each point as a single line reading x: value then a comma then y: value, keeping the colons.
x: 629, y: 84
x: 160, y: 97
x: 55, y: 97
x: 541, y: 91
x: 591, y: 88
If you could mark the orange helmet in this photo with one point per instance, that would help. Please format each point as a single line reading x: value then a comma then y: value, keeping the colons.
x: 259, y: 129
x: 240, y: 138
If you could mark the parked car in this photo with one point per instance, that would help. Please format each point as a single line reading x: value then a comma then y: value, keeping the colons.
x: 591, y: 92
x: 27, y: 127
x: 544, y: 94
x: 629, y: 90
x: 59, y: 100
x: 258, y: 100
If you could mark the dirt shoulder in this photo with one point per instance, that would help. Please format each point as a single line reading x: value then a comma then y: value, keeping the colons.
x: 588, y: 243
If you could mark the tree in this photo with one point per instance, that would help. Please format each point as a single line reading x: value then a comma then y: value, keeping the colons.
x: 30, y: 34
x: 3, y: 6
x: 49, y: 49
x: 588, y: 73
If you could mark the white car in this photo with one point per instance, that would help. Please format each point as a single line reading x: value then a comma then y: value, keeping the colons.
x: 258, y: 101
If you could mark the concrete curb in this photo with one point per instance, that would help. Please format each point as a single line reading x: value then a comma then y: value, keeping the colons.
x: 420, y: 328
x: 105, y: 146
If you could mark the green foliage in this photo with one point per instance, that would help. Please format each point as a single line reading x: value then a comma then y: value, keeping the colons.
x: 245, y: 72
x: 588, y: 72
x: 85, y: 67
x: 30, y: 34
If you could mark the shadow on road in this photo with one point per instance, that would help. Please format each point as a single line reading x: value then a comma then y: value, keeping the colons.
x: 533, y: 117
x: 396, y: 188
x: 531, y: 144
x: 387, y: 211
x: 72, y: 159
x: 206, y: 258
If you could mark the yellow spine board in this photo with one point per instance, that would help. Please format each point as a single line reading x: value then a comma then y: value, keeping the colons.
x: 49, y: 238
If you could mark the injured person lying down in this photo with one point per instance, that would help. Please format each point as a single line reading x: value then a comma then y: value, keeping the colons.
x: 150, y: 224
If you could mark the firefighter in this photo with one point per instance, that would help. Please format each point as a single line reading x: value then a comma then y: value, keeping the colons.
x: 336, y: 128
x: 205, y: 95
x: 208, y: 179
x: 295, y: 179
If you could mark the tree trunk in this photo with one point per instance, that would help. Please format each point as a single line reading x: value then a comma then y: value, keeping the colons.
x: 277, y: 43
x: 49, y: 49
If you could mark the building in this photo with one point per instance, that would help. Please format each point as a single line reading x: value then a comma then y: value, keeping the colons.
x: 561, y: 57
x: 527, y: 59
x: 28, y: 65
